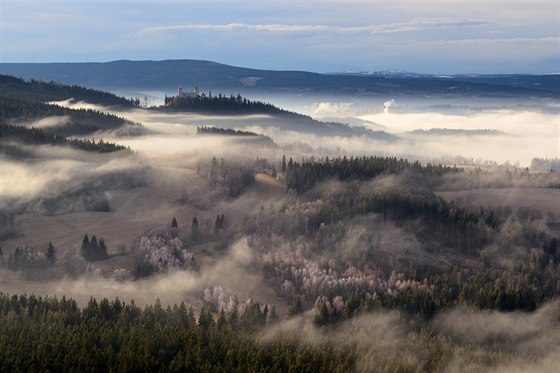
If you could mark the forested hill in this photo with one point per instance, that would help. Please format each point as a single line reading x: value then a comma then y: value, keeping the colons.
x: 36, y: 136
x: 168, y: 73
x: 63, y: 121
x: 303, y: 176
x: 50, y: 91
x: 237, y: 105
x: 235, y: 133
x: 222, y: 104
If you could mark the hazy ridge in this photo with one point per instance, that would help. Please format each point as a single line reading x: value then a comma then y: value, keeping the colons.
x: 168, y: 74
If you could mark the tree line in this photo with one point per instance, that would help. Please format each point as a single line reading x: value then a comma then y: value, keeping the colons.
x: 30, y: 258
x: 81, y: 121
x: 94, y: 250
x: 225, y: 104
x: 545, y: 164
x: 51, y: 91
x: 302, y: 176
x: 36, y: 136
x: 212, y: 130
x: 117, y: 336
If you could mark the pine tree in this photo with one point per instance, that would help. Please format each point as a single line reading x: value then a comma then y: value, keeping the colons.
x: 85, y: 244
x: 102, y: 251
x: 93, y: 244
x: 214, y: 170
x: 233, y: 315
x: 322, y: 317
x: 51, y: 255
x: 174, y: 223
x: 191, y: 321
x: 205, y: 319
x: 222, y: 321
x: 220, y: 223
x: 195, y: 230
x: 273, y: 316
x: 295, y: 308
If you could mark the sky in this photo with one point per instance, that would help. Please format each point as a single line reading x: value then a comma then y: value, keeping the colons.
x: 437, y: 37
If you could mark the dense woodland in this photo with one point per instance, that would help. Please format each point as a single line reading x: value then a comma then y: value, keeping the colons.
x: 36, y: 136
x: 113, y: 335
x: 223, y: 104
x: 229, y: 177
x: 302, y: 176
x: 72, y: 122
x: 204, y: 130
x: 37, y: 90
x: 545, y: 164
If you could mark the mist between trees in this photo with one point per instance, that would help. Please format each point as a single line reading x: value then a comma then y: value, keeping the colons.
x: 373, y: 270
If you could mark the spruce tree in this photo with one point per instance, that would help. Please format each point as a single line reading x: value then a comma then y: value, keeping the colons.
x: 93, y: 244
x: 195, y: 229
x: 102, y: 250
x: 295, y: 308
x: 51, y: 256
x: 85, y: 245
x: 273, y: 316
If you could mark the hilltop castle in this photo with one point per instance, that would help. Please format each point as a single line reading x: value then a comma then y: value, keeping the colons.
x: 196, y: 93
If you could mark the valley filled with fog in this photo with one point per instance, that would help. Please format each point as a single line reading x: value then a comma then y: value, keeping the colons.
x: 280, y: 186
x: 413, y: 232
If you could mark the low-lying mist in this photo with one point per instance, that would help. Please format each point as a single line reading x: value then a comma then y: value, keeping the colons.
x: 460, y: 340
x: 48, y: 171
x: 227, y: 274
x: 404, y: 265
x: 526, y: 133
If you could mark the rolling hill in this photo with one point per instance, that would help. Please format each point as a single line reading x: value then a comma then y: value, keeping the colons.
x: 37, y: 90
x: 166, y: 75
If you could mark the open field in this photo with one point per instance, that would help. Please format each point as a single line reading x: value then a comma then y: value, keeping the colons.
x: 544, y: 199
x: 132, y: 212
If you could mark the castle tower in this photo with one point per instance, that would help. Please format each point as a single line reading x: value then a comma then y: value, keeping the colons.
x: 197, y: 91
x: 180, y: 90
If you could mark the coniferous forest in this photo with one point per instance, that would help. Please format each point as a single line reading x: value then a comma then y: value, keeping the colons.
x: 36, y: 136
x: 235, y: 105
x: 41, y: 91
x: 80, y: 121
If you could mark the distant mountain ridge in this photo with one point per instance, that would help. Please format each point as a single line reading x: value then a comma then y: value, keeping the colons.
x: 167, y: 74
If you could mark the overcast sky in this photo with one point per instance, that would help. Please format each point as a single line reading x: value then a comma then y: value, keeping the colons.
x: 500, y: 36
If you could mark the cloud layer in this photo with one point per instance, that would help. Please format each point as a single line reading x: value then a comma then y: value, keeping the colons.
x: 413, y: 25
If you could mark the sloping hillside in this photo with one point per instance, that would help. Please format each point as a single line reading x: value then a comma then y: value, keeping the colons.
x: 165, y: 75
x: 37, y: 90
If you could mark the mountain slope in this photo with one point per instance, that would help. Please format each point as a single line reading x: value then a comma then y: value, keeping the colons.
x: 62, y: 121
x: 166, y: 75
x: 11, y: 86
